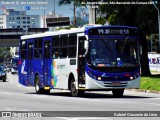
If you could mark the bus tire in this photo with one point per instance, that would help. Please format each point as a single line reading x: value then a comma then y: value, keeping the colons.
x: 117, y: 92
x: 4, y: 80
x: 75, y: 92
x: 37, y: 85
x: 47, y: 92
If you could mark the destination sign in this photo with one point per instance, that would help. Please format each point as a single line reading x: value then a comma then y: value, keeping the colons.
x: 112, y: 31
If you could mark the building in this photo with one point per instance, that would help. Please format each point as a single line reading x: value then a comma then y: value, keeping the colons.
x: 50, y: 17
x: 18, y: 19
x: 14, y: 51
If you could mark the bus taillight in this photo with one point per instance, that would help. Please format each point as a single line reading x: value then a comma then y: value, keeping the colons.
x: 127, y: 75
x: 19, y: 62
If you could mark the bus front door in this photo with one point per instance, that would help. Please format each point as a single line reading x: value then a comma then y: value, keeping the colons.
x: 47, y: 62
x: 29, y: 63
x: 81, y: 62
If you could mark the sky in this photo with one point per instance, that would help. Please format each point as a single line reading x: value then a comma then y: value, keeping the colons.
x: 39, y: 7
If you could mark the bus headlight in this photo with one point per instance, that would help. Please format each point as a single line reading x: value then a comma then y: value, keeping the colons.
x: 131, y: 78
x: 99, y: 78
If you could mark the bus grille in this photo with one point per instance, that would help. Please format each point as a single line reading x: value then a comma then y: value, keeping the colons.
x: 110, y: 84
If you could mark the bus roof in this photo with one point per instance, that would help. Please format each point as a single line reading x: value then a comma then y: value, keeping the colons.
x: 112, y: 26
x: 73, y: 30
x: 52, y: 33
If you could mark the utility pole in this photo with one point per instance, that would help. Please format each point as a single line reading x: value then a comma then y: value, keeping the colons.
x: 156, y: 2
x: 44, y: 23
x: 54, y: 10
x: 92, y: 15
x: 74, y: 9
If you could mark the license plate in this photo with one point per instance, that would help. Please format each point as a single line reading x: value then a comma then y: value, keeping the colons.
x: 115, y: 83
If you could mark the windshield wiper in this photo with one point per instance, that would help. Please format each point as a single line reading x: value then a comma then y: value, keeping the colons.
x: 124, y: 45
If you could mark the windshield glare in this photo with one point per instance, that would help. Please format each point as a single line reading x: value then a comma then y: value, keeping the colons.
x: 112, y: 52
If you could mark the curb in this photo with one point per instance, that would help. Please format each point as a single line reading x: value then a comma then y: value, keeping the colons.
x: 147, y: 91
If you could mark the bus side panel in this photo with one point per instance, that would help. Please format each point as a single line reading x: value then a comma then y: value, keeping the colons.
x: 47, y: 72
x: 23, y: 73
x: 61, y: 71
x: 37, y: 69
x: 50, y: 77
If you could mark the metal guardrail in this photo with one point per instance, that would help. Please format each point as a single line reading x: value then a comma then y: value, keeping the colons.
x: 20, y: 31
x: 17, y: 31
x: 37, y: 30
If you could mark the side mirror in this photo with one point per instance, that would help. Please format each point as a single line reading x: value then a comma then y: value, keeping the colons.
x: 85, y: 44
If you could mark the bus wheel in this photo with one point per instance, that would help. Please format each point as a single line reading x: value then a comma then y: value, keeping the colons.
x: 47, y: 92
x: 75, y: 92
x: 4, y: 80
x: 117, y: 92
x: 37, y: 86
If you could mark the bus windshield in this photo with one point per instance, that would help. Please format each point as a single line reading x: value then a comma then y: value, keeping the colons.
x: 112, y: 52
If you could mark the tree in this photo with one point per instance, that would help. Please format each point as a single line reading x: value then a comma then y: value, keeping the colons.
x: 5, y: 54
x: 101, y: 20
x: 142, y: 16
x: 75, y: 4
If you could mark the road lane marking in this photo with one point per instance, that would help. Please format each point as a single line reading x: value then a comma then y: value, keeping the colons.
x: 84, y: 118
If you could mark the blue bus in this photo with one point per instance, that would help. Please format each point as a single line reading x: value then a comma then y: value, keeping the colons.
x: 91, y: 58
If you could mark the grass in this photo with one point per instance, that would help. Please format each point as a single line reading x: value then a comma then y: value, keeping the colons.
x: 150, y: 83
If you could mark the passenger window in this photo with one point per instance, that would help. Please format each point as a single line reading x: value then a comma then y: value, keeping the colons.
x: 72, y: 48
x: 38, y: 48
x: 63, y: 52
x: 55, y: 41
x: 23, y: 54
x: 55, y: 46
x: 23, y: 45
x: 23, y: 49
x: 55, y: 53
x: 64, y: 40
x: 72, y: 52
x: 72, y: 40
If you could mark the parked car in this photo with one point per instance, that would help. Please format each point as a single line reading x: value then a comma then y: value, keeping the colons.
x: 8, y: 68
x: 3, y: 75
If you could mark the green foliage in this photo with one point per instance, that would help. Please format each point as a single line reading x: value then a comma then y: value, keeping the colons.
x: 4, y: 54
x: 65, y: 2
x: 150, y: 83
x: 81, y: 22
x: 101, y: 20
x: 142, y: 16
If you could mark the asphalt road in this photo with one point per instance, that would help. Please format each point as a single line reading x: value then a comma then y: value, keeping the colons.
x: 16, y: 98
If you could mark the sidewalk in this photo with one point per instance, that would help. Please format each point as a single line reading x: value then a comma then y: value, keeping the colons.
x: 155, y: 73
x: 147, y: 91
